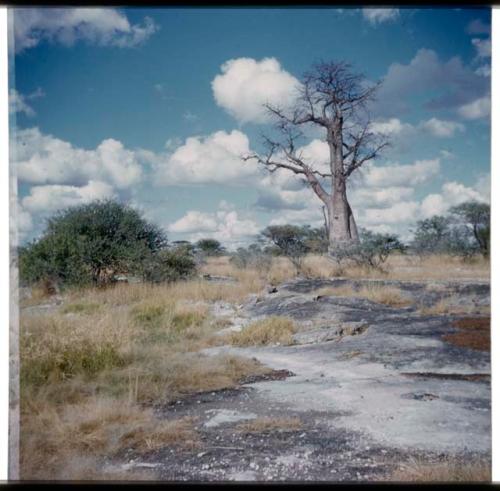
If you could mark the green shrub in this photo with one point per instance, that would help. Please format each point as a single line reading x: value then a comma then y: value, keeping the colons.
x: 90, y: 244
x: 251, y: 257
x: 209, y: 247
x: 168, y: 265
x: 372, y: 251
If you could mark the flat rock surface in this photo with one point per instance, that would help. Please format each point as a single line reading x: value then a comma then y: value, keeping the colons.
x: 372, y: 386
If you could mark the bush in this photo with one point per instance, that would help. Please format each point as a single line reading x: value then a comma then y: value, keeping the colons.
x: 251, y: 257
x: 372, y: 251
x: 168, y: 265
x: 464, y: 232
x: 475, y: 217
x: 90, y: 244
x: 209, y: 247
x: 432, y: 235
x: 289, y: 240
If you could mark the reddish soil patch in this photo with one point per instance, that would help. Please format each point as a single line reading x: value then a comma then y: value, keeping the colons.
x: 473, y: 333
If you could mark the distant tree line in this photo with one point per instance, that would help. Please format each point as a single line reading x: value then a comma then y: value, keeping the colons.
x: 95, y: 243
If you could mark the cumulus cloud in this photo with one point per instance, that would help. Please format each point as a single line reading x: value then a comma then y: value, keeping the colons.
x: 44, y: 159
x: 195, y: 221
x: 56, y: 196
x: 18, y: 103
x: 401, y: 175
x: 479, y: 108
x: 380, y: 197
x: 426, y: 74
x: 215, y: 158
x: 225, y: 225
x: 477, y: 26
x: 390, y: 127
x: 23, y: 221
x: 452, y: 194
x: 66, y: 26
x: 442, y: 129
x: 245, y: 85
x: 380, y: 15
x: 401, y: 212
x: 483, y: 47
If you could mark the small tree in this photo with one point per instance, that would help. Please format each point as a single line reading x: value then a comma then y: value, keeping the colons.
x: 90, y: 244
x: 252, y: 256
x: 431, y: 235
x: 168, y: 265
x: 373, y: 249
x: 315, y: 239
x: 290, y: 240
x: 476, y: 216
x: 210, y: 247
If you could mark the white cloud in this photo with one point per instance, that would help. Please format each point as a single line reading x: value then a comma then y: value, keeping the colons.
x: 245, y: 85
x: 44, y: 159
x: 391, y: 126
x: 52, y: 197
x: 194, y: 221
x: 483, y: 47
x: 452, y: 194
x: 18, y: 102
x: 401, y: 175
x: 442, y: 129
x: 446, y: 154
x: 24, y: 222
x: 479, y: 108
x: 212, y: 159
x: 380, y: 197
x: 100, y: 26
x: 477, y: 26
x: 224, y: 225
x: 403, y: 212
x: 483, y: 70
x: 308, y: 216
x: 379, y: 15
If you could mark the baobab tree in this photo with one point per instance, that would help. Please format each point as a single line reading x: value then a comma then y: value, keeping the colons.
x: 333, y: 98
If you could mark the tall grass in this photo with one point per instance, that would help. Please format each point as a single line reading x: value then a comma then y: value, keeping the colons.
x: 89, y: 376
x: 397, y: 267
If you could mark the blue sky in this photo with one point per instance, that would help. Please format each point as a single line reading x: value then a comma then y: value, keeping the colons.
x: 156, y: 106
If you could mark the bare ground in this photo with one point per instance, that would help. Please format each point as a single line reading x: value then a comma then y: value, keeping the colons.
x: 374, y: 386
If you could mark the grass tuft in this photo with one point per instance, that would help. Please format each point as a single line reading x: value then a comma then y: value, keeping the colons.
x: 386, y: 295
x: 272, y: 330
x: 80, y: 308
x: 452, y: 470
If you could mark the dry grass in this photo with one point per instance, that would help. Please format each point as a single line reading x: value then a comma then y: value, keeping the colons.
x: 266, y: 425
x: 88, y: 380
x: 271, y: 330
x: 91, y: 369
x: 80, y: 308
x: 88, y: 431
x: 386, y: 295
x: 453, y: 470
x: 448, y: 305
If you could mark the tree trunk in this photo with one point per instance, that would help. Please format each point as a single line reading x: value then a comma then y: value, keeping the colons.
x: 342, y: 229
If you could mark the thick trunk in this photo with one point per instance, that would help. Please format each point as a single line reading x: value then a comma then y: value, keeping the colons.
x: 342, y: 229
